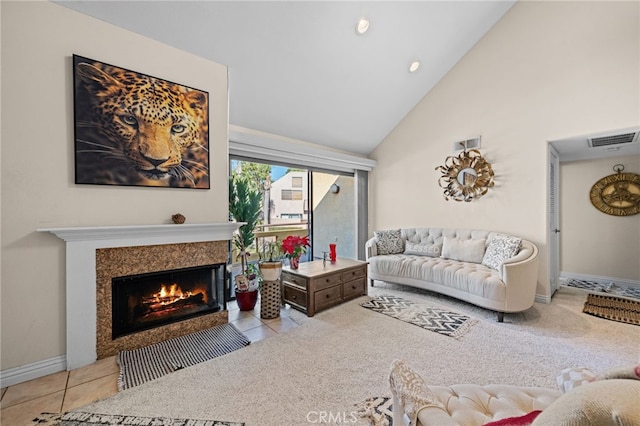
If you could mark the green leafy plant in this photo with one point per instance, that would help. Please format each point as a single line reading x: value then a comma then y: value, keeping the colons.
x: 245, y: 205
x: 271, y: 251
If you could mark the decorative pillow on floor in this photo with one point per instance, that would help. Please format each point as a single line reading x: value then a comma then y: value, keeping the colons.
x: 389, y: 241
x: 501, y: 248
x: 410, y: 389
x: 570, y: 378
x: 463, y: 250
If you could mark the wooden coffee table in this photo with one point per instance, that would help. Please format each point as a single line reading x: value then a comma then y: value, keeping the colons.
x: 314, y: 287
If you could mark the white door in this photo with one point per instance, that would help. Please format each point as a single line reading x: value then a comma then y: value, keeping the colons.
x: 554, y: 220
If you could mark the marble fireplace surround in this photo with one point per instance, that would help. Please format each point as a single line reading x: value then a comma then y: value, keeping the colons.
x: 82, y: 246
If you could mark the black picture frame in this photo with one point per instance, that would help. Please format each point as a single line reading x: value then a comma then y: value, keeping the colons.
x: 133, y: 129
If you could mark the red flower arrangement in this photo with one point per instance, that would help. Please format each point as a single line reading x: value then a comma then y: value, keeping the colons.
x: 294, y: 246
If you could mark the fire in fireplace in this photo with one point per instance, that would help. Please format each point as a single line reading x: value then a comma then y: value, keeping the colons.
x: 145, y: 301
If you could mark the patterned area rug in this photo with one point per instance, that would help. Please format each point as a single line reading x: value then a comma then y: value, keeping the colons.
x: 141, y: 365
x: 88, y: 419
x: 611, y: 288
x: 613, y: 308
x: 440, y: 321
x: 378, y: 410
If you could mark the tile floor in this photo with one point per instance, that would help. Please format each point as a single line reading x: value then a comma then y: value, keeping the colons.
x: 69, y: 390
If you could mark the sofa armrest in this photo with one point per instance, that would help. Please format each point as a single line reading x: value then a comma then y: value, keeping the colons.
x: 520, y: 274
x: 371, y: 248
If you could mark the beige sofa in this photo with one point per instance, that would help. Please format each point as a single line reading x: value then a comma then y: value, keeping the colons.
x: 489, y: 269
x: 583, y: 398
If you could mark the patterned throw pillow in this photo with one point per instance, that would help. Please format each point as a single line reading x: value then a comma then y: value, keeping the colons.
x: 389, y: 242
x: 501, y: 248
x: 570, y: 378
x: 431, y: 250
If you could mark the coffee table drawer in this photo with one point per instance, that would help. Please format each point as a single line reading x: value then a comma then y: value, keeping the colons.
x: 328, y: 281
x: 354, y: 288
x: 294, y: 280
x: 328, y: 297
x: 294, y: 295
x: 354, y: 273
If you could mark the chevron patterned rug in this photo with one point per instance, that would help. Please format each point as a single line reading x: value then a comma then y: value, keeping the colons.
x: 448, y: 323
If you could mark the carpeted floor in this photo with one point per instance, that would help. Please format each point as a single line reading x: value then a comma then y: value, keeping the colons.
x: 341, y: 356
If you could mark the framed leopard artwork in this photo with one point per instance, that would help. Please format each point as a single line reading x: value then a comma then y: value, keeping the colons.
x: 133, y: 129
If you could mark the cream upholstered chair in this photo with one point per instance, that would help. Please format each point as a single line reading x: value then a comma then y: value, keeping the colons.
x: 416, y: 403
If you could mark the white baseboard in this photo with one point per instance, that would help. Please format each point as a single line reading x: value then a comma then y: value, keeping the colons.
x: 540, y: 298
x: 565, y: 276
x: 38, y: 369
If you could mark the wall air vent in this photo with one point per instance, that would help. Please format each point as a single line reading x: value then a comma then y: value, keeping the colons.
x: 613, y: 139
x: 472, y: 143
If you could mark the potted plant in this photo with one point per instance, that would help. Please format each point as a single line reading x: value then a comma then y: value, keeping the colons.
x: 293, y: 247
x: 245, y: 205
x: 270, y: 264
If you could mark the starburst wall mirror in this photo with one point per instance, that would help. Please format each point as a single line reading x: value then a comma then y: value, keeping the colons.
x: 466, y: 176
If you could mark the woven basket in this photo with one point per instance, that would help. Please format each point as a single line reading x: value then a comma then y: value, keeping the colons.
x: 270, y: 300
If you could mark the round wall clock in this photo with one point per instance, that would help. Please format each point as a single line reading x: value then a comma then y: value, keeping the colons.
x: 618, y: 194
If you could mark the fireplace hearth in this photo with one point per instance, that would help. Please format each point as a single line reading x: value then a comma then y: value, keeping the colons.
x: 146, y: 301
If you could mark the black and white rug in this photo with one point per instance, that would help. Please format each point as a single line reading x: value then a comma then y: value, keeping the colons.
x: 77, y: 418
x: 448, y: 323
x: 141, y: 365
x: 610, y: 288
x: 377, y: 409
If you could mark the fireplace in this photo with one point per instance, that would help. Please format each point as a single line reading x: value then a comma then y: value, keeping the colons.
x: 149, y: 300
x: 94, y: 255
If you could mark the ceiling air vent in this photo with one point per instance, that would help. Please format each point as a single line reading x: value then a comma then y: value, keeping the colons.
x: 613, y: 139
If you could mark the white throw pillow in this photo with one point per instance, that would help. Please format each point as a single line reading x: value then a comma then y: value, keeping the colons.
x: 389, y: 241
x: 501, y: 248
x: 463, y: 250
x: 432, y: 250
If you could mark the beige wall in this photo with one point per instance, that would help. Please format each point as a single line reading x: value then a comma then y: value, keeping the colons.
x: 546, y: 71
x: 37, y: 175
x: 592, y: 242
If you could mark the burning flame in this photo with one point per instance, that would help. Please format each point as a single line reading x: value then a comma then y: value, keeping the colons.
x: 170, y: 294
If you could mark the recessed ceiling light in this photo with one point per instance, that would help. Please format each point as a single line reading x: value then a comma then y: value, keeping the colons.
x: 362, y: 26
x: 414, y: 66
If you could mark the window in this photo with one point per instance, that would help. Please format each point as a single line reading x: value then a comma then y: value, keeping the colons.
x: 296, y: 182
x: 291, y: 194
x: 297, y: 216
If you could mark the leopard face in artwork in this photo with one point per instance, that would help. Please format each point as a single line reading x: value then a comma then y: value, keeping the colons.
x: 134, y: 129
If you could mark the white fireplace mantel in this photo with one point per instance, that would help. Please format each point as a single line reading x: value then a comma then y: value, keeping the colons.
x: 81, y: 246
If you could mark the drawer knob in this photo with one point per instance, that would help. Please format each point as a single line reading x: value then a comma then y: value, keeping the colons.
x: 293, y: 297
x: 353, y: 287
x: 328, y: 296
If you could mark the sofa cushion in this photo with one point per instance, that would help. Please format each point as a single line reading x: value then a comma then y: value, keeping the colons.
x: 472, y: 278
x: 500, y: 249
x: 432, y: 250
x: 389, y: 241
x: 463, y: 250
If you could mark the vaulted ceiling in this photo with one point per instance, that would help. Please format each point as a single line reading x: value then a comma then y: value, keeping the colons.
x: 299, y: 70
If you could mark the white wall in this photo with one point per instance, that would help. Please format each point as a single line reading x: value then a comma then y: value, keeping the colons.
x: 37, y: 175
x: 546, y: 71
x: 592, y: 242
